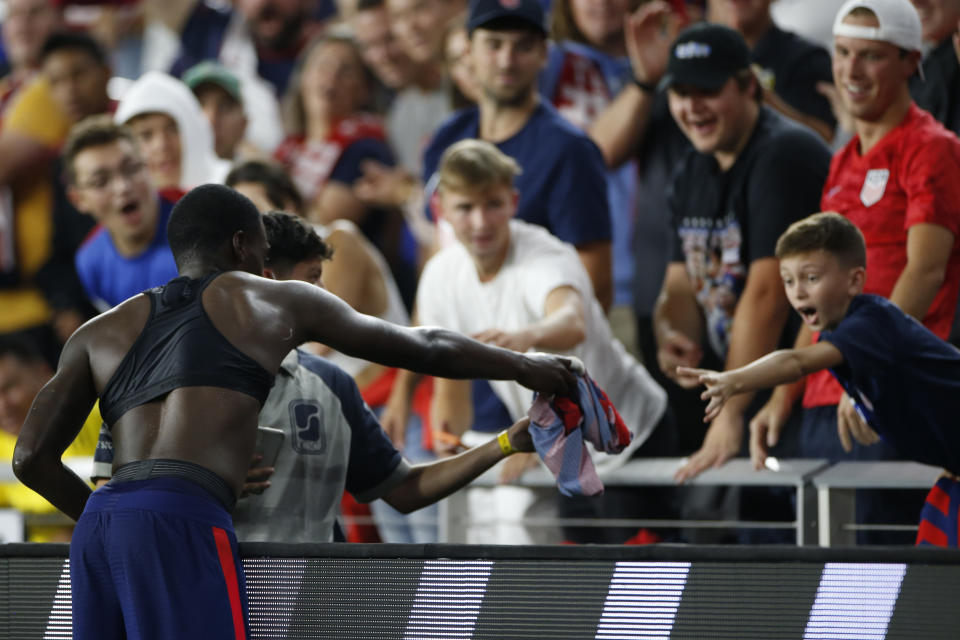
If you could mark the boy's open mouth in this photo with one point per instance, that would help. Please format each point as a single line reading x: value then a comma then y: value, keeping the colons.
x: 809, y: 314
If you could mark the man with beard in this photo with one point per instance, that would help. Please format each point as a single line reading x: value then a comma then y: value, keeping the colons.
x: 563, y: 185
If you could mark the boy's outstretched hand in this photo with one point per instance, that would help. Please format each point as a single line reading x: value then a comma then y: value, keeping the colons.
x: 719, y: 387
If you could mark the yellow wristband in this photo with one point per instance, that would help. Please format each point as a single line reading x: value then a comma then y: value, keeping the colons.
x: 504, y: 439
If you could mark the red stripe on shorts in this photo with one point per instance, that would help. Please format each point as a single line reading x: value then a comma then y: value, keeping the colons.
x: 940, y: 499
x: 230, y: 576
x: 930, y: 534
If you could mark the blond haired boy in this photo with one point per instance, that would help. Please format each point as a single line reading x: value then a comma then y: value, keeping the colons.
x: 513, y: 284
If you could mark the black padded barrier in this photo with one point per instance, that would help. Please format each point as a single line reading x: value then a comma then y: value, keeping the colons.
x: 374, y: 592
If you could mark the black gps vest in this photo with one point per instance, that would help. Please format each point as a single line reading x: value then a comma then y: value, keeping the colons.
x: 180, y: 347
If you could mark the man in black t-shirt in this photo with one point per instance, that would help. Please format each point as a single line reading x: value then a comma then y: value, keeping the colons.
x: 750, y: 174
x: 938, y: 91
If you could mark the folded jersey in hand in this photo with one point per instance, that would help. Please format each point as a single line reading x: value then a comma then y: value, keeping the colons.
x: 561, y: 428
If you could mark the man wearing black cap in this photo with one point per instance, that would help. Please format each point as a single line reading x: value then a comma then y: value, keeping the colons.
x: 563, y: 185
x: 750, y: 174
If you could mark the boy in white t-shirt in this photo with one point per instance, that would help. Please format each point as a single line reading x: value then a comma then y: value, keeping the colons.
x: 512, y: 284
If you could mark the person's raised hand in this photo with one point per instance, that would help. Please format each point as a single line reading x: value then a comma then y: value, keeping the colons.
x: 649, y: 31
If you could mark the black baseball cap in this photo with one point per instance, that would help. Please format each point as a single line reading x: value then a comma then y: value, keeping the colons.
x: 705, y: 56
x: 506, y: 14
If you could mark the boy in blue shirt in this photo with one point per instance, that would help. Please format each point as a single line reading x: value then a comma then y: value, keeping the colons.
x: 127, y: 252
x: 902, y: 378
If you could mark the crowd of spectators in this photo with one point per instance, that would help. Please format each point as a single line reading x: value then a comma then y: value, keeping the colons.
x: 669, y: 183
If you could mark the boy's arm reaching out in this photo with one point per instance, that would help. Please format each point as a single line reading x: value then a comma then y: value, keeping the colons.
x: 779, y: 367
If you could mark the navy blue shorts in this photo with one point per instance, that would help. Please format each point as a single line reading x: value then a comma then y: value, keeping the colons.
x: 154, y: 559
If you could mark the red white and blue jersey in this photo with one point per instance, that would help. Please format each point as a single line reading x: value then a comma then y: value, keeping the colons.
x: 909, y: 177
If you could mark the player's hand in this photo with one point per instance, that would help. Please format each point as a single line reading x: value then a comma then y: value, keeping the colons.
x: 550, y: 374
x: 649, y: 31
x: 850, y: 426
x: 520, y: 340
x: 257, y: 480
x: 721, y: 443
x: 677, y: 350
x: 766, y: 427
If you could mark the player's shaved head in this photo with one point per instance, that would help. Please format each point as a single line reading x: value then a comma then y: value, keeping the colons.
x: 206, y: 218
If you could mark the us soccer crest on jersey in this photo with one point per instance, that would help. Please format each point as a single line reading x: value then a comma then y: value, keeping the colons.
x: 873, y: 186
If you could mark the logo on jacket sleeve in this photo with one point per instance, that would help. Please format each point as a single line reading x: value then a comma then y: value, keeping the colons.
x: 873, y: 186
x: 307, y: 419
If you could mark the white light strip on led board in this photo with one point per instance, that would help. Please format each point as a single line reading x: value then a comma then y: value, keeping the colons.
x: 643, y: 600
x: 854, y: 601
x: 448, y: 599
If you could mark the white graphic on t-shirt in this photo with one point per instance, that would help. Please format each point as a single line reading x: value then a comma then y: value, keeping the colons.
x: 873, y: 186
x: 712, y: 252
x: 309, y: 432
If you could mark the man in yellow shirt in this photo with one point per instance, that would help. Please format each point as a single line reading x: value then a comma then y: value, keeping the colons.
x: 23, y: 372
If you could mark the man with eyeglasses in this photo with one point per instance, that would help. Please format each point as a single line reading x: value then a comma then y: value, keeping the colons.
x: 108, y: 180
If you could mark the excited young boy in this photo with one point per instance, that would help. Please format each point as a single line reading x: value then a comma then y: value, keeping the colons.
x: 902, y: 378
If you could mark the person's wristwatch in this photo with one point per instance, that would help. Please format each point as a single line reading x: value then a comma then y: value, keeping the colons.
x: 646, y: 87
